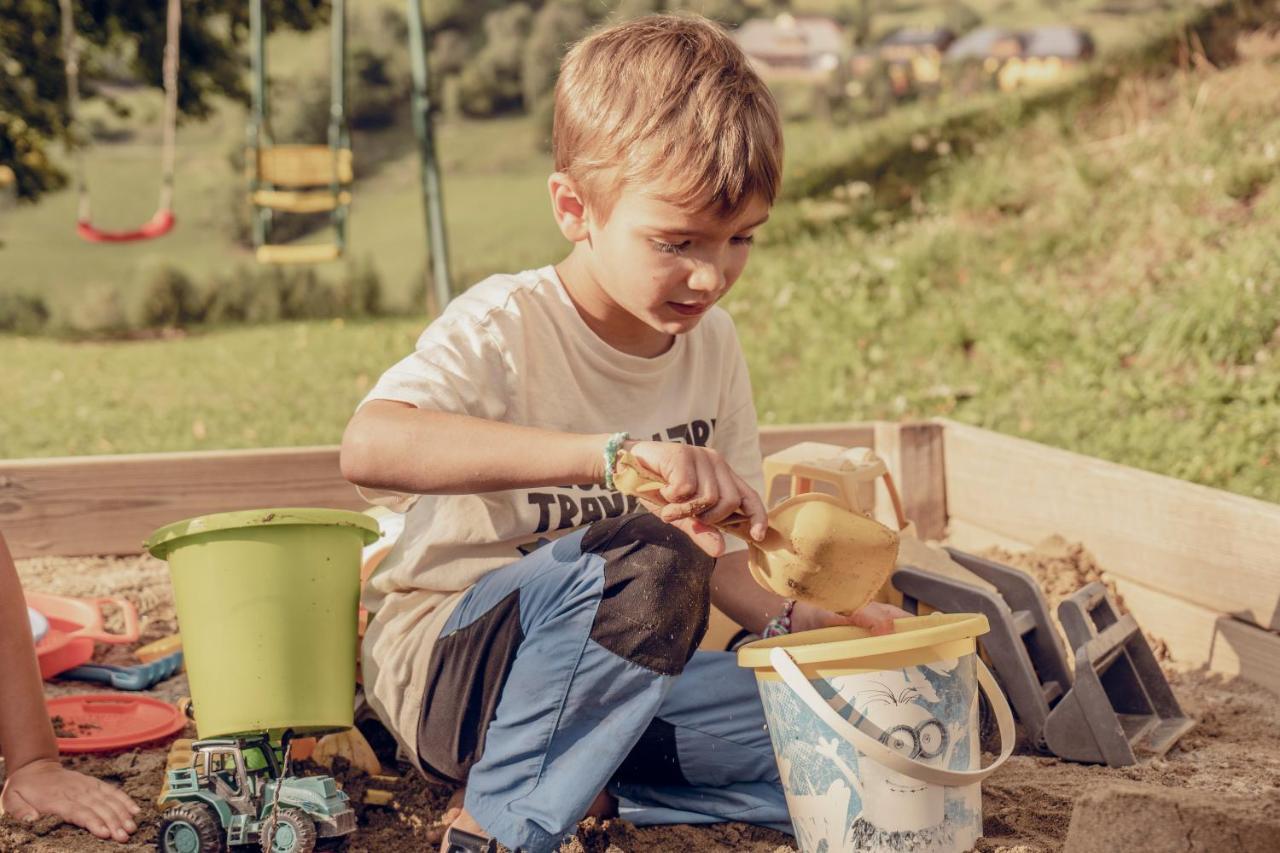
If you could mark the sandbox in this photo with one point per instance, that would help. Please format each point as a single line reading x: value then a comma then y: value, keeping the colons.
x: 1195, y: 566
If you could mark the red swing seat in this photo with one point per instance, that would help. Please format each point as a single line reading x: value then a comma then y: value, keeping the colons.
x: 157, y: 226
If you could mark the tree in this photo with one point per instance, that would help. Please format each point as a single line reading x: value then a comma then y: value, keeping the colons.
x: 627, y: 9
x: 33, y: 93
x: 490, y: 82
x: 959, y: 17
x: 556, y: 26
x: 728, y: 12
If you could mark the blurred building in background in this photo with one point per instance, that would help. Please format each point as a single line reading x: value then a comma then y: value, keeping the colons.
x: 1013, y: 58
x: 807, y: 48
x: 1047, y: 53
x: 913, y: 58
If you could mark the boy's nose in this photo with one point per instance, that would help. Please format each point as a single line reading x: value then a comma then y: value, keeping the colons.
x: 707, y: 277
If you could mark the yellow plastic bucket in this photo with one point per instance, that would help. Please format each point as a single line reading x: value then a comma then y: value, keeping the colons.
x: 266, y: 603
x: 877, y: 738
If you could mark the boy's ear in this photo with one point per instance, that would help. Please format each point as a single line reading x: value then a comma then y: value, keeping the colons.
x: 568, y: 208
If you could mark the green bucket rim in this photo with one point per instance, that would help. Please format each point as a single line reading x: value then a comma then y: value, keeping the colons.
x: 163, y: 541
x: 849, y: 643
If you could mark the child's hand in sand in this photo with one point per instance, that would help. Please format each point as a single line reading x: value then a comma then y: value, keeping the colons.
x: 44, y: 787
x: 875, y: 617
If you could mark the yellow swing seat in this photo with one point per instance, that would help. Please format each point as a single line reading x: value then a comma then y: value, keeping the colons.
x: 305, y: 253
x: 299, y: 179
x: 304, y: 166
x: 293, y: 201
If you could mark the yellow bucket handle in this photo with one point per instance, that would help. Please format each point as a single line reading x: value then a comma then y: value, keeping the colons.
x: 870, y: 745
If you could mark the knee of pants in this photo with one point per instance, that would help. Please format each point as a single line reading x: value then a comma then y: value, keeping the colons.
x: 657, y: 591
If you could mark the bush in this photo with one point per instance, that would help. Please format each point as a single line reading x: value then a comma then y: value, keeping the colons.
x: 555, y: 27
x: 169, y: 298
x: 98, y: 309
x: 379, y: 70
x: 23, y: 313
x: 360, y: 292
x: 303, y: 296
x: 490, y: 83
x: 244, y: 297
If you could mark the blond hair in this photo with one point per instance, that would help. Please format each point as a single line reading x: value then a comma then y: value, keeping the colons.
x: 668, y: 101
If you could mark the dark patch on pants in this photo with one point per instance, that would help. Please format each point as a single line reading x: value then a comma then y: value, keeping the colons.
x: 465, y: 678
x: 654, y: 760
x: 657, y: 591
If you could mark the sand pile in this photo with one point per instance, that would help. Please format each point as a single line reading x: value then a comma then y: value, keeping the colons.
x: 1028, y: 803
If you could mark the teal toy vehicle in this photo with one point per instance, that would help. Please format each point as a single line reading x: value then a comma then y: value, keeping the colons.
x: 234, y: 793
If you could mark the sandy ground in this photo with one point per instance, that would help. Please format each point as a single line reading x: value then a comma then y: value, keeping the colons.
x: 1027, y: 803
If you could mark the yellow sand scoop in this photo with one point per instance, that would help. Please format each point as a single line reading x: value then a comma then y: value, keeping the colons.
x: 816, y: 548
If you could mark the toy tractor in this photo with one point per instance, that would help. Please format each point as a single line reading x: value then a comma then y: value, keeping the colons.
x: 235, y: 793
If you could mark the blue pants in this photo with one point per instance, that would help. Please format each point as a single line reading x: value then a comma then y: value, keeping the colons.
x: 574, y: 671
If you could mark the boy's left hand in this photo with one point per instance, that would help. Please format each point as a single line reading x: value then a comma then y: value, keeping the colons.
x: 46, y: 787
x: 875, y: 617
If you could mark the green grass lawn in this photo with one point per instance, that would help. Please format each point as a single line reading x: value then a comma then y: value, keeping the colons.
x: 496, y: 179
x: 1102, y: 280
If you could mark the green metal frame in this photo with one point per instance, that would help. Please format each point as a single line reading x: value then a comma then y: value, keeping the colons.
x: 429, y: 173
x: 259, y: 129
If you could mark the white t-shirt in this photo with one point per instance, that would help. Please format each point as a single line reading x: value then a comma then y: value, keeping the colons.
x: 514, y: 349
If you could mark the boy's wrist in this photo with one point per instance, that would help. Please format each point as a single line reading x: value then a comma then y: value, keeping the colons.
x: 609, y: 457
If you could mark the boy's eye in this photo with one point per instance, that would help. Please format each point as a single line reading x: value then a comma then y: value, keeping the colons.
x: 670, y: 248
x: 745, y: 241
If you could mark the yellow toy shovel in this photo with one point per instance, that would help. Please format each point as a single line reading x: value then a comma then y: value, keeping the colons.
x: 816, y: 548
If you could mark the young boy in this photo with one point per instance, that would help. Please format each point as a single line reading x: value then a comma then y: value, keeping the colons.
x: 35, y: 783
x: 534, y: 636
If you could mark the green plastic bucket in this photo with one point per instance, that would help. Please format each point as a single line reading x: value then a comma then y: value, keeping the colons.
x: 266, y: 603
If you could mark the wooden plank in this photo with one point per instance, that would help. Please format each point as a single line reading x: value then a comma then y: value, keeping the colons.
x: 1194, y: 635
x: 914, y: 454
x: 1206, y: 546
x: 1201, y: 637
x: 110, y: 504
x: 74, y: 506
x: 970, y: 537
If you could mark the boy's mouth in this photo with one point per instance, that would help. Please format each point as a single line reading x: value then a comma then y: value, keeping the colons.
x: 690, y: 309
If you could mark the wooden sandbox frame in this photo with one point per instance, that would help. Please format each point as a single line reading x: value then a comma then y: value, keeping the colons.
x: 1198, y: 567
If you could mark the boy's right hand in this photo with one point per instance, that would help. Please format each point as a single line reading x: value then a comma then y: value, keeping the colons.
x: 701, y: 489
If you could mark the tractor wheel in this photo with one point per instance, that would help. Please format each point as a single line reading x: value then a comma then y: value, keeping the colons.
x: 292, y: 832
x: 189, y: 828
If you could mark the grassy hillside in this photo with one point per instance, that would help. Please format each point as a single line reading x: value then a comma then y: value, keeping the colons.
x: 494, y: 179
x: 1102, y: 279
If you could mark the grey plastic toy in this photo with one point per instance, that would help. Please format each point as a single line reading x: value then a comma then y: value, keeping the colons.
x: 1022, y: 646
x: 1121, y: 707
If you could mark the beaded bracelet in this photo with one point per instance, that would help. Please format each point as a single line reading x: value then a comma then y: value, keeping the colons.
x: 780, y: 625
x: 611, y: 448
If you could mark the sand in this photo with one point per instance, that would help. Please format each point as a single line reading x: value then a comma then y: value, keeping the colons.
x: 1028, y: 803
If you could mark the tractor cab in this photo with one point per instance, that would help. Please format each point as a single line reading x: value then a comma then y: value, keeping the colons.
x: 236, y: 770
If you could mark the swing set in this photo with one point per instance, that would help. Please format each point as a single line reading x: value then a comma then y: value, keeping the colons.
x: 283, y: 179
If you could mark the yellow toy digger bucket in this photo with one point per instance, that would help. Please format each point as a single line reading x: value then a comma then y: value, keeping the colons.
x: 266, y: 603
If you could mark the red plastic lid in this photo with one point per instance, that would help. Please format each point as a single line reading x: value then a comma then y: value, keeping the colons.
x: 102, y: 722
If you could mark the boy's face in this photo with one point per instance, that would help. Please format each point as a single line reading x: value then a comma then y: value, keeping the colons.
x: 665, y: 266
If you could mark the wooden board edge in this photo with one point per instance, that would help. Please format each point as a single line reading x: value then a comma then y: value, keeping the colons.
x: 913, y: 452
x: 1212, y: 548
x: 107, y: 505
x: 1201, y: 637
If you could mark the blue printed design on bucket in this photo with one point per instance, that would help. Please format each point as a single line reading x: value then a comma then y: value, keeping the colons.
x: 842, y: 801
